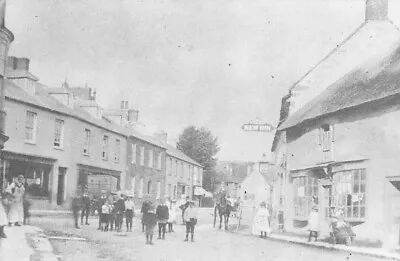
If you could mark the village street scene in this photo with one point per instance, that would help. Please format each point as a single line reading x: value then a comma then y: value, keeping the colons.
x: 199, y: 130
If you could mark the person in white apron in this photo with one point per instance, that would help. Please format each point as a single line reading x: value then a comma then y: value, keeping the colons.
x: 17, y: 189
x: 261, y: 222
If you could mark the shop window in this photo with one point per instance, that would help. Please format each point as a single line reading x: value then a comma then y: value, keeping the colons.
x: 36, y: 176
x: 37, y: 182
x: 349, y: 193
x: 304, y: 189
x: 58, y: 133
x: 31, y: 127
x: 326, y: 139
x: 86, y: 144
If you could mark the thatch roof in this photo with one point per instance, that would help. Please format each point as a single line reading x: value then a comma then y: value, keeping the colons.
x: 376, y: 80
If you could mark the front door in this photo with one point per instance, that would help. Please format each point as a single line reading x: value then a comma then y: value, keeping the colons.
x: 324, y: 208
x: 61, y: 185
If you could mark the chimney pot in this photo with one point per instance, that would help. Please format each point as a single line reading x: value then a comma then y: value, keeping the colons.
x: 376, y: 10
x: 133, y: 115
x: 122, y: 104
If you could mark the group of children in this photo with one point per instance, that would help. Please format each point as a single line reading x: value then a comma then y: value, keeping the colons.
x: 111, y: 215
x: 164, y: 215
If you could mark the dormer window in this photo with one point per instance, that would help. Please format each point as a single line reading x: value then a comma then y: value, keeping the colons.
x: 326, y: 139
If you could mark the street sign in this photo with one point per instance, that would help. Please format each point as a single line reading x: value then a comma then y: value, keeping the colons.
x: 258, y: 127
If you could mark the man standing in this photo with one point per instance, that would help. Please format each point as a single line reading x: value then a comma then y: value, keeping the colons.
x: 119, y: 212
x: 76, y: 207
x: 162, y: 217
x: 85, y: 205
x: 145, y: 207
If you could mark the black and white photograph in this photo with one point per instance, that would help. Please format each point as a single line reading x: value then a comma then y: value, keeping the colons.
x: 199, y: 130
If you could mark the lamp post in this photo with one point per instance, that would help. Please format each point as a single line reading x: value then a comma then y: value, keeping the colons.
x: 6, y: 37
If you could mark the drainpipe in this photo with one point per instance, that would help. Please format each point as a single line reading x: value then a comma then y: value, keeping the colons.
x: 6, y: 37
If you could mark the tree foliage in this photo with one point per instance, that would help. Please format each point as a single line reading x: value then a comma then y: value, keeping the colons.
x: 202, y: 146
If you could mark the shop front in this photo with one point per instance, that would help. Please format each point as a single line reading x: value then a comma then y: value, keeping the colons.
x: 341, y: 185
x: 98, y: 179
x: 37, y: 171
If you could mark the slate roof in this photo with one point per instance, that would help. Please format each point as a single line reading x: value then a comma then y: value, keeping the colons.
x: 21, y: 74
x: 43, y: 100
x: 375, y: 80
x: 174, y: 152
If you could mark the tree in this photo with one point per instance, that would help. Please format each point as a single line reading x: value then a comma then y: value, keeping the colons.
x: 202, y: 146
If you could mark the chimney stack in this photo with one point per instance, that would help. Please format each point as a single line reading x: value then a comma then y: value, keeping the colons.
x: 15, y: 63
x: 376, y: 10
x: 124, y: 105
x: 133, y: 115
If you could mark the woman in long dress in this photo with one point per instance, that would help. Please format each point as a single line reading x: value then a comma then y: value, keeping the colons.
x: 17, y: 189
x: 173, y: 209
x: 261, y: 223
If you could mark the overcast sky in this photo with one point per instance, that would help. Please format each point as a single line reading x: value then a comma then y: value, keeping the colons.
x: 213, y: 63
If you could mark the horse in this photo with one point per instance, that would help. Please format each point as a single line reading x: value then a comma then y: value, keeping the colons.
x: 224, y: 210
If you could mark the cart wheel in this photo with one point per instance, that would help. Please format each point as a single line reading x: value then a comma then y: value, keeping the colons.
x: 348, y: 241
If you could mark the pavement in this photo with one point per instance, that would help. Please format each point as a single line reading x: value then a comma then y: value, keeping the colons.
x: 31, y: 243
x: 26, y: 243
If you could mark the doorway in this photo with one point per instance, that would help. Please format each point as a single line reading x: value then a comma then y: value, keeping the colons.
x: 61, y: 185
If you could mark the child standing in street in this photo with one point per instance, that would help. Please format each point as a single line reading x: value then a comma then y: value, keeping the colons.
x: 162, y: 217
x: 190, y: 218
x: 129, y: 212
x: 105, y: 216
x: 150, y: 221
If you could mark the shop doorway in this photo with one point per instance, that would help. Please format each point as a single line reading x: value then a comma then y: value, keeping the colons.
x: 61, y: 185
